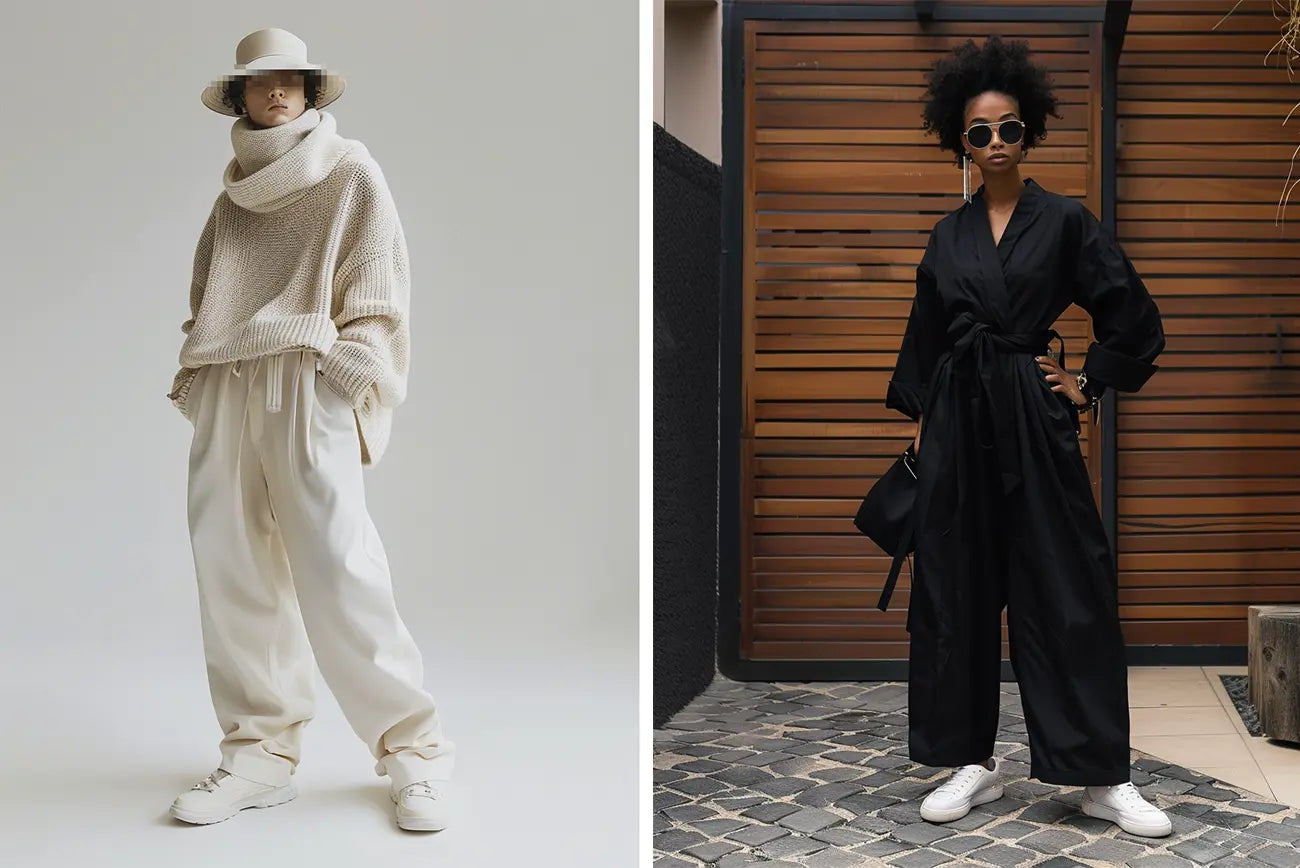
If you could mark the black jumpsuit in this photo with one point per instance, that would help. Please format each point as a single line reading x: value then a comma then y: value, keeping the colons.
x: 1005, y: 505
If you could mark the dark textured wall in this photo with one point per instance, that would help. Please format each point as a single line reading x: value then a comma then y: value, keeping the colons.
x: 687, y: 246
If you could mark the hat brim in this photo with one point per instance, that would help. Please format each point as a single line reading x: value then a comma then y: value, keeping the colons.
x: 331, y: 88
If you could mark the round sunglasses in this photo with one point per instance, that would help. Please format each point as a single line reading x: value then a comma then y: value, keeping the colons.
x: 981, y: 135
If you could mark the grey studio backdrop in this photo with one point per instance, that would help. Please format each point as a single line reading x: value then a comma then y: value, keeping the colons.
x: 507, y: 500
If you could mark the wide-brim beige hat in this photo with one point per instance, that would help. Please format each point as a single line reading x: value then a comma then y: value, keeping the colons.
x: 272, y: 48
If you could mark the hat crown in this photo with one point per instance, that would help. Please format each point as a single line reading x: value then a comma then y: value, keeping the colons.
x: 269, y: 41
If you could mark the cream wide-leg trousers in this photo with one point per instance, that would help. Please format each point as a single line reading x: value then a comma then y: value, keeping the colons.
x: 289, y: 562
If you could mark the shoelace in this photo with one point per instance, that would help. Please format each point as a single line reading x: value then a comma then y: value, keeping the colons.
x: 422, y: 789
x: 1129, y: 794
x: 961, y: 777
x: 209, y: 783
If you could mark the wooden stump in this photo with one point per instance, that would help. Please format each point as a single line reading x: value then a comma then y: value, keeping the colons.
x: 1253, y: 677
x: 1278, y: 644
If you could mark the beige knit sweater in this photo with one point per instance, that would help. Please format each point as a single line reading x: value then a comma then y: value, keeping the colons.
x: 304, y: 250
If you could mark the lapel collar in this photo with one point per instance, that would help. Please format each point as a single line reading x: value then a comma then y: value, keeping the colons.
x: 990, y: 261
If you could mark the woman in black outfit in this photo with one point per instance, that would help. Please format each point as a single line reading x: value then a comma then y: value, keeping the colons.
x: 1005, y: 504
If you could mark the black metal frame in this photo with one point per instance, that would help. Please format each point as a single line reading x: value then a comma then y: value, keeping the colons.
x: 1114, y: 17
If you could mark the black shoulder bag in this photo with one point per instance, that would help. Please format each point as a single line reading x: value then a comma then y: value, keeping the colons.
x: 886, y: 516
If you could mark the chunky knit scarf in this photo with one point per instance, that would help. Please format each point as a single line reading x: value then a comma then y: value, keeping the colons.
x: 274, y: 166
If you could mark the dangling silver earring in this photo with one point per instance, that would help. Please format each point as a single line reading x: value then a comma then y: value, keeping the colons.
x: 965, y: 176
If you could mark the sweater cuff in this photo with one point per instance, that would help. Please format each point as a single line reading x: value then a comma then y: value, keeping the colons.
x: 351, y: 369
x: 180, y: 392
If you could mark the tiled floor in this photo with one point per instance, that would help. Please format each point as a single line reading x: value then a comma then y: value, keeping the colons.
x: 816, y: 775
x: 1183, y: 714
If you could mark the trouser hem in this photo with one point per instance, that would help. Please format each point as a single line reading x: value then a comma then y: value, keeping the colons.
x: 1081, y: 778
x: 407, y: 767
x: 265, y: 769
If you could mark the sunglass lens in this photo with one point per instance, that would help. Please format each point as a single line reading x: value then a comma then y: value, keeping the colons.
x: 1011, y: 131
x: 979, y: 136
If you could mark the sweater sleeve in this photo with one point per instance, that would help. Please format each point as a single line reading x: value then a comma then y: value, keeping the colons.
x: 198, y: 282
x: 370, y: 359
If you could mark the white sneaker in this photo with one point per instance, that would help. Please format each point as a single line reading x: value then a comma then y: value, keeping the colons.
x: 1124, y: 805
x: 969, y: 786
x: 422, y: 806
x: 221, y: 795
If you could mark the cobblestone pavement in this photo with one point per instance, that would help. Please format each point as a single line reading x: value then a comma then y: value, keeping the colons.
x: 817, y: 774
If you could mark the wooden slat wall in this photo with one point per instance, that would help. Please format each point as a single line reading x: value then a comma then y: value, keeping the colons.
x: 842, y: 188
x: 1210, y: 449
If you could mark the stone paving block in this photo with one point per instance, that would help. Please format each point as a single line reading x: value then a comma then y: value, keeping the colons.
x: 783, y: 787
x: 1276, y: 831
x: 828, y: 794
x: 1068, y: 797
x: 1108, y: 850
x: 1209, y: 791
x: 906, y: 788
x: 1167, y: 787
x: 959, y: 844
x: 770, y: 812
x: 1160, y: 860
x: 921, y: 834
x: 833, y: 857
x: 712, y: 851
x: 972, y: 821
x: 837, y: 775
x: 1060, y: 862
x: 792, y: 847
x: 848, y: 757
x: 1200, y: 850
x: 757, y: 835
x: 664, y: 776
x: 1010, y: 830
x: 876, y: 825
x: 878, y: 779
x: 718, y: 827
x: 1277, y: 855
x: 843, y: 836
x: 1190, y: 809
x: 1149, y: 765
x: 741, y: 776
x: 1244, y: 842
x: 1045, y: 811
x: 1258, y: 807
x: 1087, y: 825
x: 1052, y: 840
x: 1184, y: 774
x: 812, y: 734
x: 764, y: 759
x: 904, y: 813
x: 676, y: 840
x: 689, y: 813
x: 732, y: 756
x: 811, y: 820
x: 795, y: 766
x: 879, y: 849
x: 666, y: 799
x: 1020, y: 756
x: 1002, y: 854
x: 672, y: 862
x: 888, y: 762
x: 742, y: 860
x: 812, y: 748
x: 1001, y: 807
x: 865, y: 803
x: 1235, y: 862
x: 1218, y: 834
x: 920, y: 859
x: 661, y: 824
x: 734, y: 805
x: 1229, y: 819
x: 701, y: 766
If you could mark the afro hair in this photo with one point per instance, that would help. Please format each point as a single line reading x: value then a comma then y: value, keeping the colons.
x: 971, y: 70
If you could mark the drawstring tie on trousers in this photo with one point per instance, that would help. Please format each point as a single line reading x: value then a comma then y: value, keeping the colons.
x: 274, y: 379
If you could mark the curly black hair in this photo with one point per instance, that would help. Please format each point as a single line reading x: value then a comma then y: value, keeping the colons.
x: 970, y: 71
x: 233, y: 92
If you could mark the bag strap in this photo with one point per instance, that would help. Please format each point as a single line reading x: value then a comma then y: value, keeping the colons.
x: 894, y: 569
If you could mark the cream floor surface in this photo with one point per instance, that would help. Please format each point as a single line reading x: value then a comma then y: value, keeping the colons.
x: 1183, y: 714
x: 95, y: 749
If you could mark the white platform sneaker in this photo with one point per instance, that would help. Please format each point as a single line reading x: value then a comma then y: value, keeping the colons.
x: 221, y: 795
x: 969, y: 786
x: 1123, y: 804
x: 422, y: 806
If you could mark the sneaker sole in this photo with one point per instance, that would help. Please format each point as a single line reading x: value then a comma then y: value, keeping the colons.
x: 420, y: 824
x: 261, y: 800
x: 986, y: 795
x: 1101, y: 812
